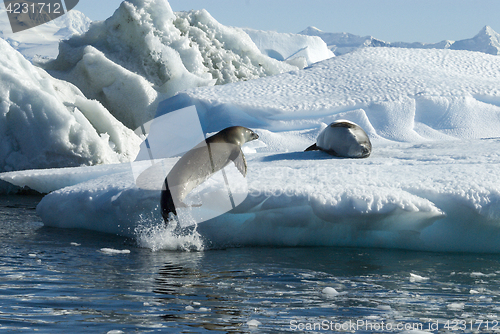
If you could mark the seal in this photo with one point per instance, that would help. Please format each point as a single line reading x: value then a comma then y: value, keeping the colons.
x: 343, y: 139
x: 201, y: 162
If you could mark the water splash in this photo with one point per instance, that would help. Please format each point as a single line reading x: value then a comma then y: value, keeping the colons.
x: 176, y: 236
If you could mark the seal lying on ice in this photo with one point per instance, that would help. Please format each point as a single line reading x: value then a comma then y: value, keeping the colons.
x: 343, y: 139
x: 201, y: 162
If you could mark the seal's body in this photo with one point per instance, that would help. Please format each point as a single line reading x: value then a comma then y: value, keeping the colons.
x: 343, y: 139
x: 201, y: 162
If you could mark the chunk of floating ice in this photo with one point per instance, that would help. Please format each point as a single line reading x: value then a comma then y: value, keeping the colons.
x: 417, y: 278
x: 254, y: 323
x: 189, y: 308
x: 384, y: 307
x: 330, y: 292
x: 75, y: 244
x: 456, y: 306
x: 114, y: 251
x: 477, y: 274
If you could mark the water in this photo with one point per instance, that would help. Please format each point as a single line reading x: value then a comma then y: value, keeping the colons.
x: 60, y: 280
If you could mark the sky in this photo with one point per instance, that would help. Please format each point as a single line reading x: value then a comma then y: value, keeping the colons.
x: 427, y: 21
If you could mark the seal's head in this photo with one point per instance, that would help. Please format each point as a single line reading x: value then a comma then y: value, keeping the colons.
x: 238, y: 135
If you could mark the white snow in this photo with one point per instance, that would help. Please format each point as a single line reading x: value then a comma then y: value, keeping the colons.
x: 396, y: 94
x: 145, y: 52
x: 42, y: 42
x: 45, y: 122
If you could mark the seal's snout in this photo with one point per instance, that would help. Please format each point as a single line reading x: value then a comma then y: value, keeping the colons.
x: 365, y: 152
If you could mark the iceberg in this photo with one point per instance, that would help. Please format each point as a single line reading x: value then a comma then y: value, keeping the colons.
x: 145, y: 53
x: 431, y: 183
x: 486, y: 41
x: 343, y: 42
x: 292, y: 48
x: 47, y: 123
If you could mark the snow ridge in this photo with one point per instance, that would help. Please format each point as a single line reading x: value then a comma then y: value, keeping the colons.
x: 397, y: 94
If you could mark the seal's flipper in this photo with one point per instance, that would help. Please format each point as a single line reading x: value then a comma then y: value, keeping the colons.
x: 312, y: 148
x: 241, y: 163
x: 331, y: 152
x: 166, y: 203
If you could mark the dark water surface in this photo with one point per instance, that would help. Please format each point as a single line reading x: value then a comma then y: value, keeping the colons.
x: 59, y: 281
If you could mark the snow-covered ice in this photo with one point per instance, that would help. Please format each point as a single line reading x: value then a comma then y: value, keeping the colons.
x: 45, y: 181
x: 145, y: 52
x: 434, y: 196
x: 46, y: 122
x: 430, y: 184
x: 395, y: 94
